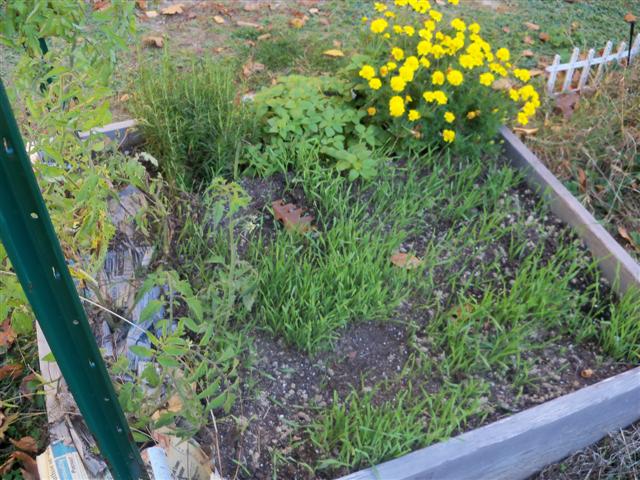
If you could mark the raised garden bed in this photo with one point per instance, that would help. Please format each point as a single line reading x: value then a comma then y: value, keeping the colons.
x: 482, y: 328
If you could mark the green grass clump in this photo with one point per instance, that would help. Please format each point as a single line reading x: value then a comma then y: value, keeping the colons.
x: 491, y: 330
x: 620, y: 334
x: 360, y: 432
x: 192, y: 118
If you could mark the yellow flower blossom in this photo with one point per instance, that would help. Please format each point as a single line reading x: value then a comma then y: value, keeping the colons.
x: 474, y: 28
x: 380, y: 7
x: 379, y: 25
x: 448, y: 135
x: 424, y: 47
x: 455, y: 77
x: 397, y: 53
x: 412, y: 62
x: 424, y: 61
x: 514, y: 95
x: 409, y: 30
x: 406, y: 73
x: 391, y: 66
x: 487, y: 79
x: 364, y: 19
x: 396, y: 106
x: 503, y: 55
x: 384, y: 70
x: 454, y: 2
x: 414, y: 115
x: 375, y: 84
x: 367, y: 72
x: 398, y: 83
x: 387, y: 35
x: 389, y: 14
x: 473, y: 114
x: 397, y: 29
x: 522, y: 74
x: 458, y: 25
x: 437, y: 16
x: 437, y: 78
x: 522, y: 118
x: 449, y: 117
x: 372, y: 111
x: 401, y: 3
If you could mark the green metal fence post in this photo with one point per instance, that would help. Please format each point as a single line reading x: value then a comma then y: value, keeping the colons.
x: 33, y: 248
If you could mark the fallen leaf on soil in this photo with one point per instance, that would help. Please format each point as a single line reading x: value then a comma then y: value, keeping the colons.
x: 29, y: 384
x: 125, y: 97
x: 534, y: 72
x: 141, y: 4
x: 292, y: 217
x: 527, y: 53
x: 100, y: 5
x: 630, y: 18
x: 404, y: 260
x: 337, y: 43
x: 153, y: 41
x: 582, y: 180
x: 5, y: 422
x: 324, y: 21
x: 7, y: 466
x: 242, y: 23
x: 298, y: 22
x: 218, y: 19
x: 314, y: 11
x: 11, y: 370
x: 586, y: 373
x: 333, y: 53
x: 174, y: 404
x: 26, y: 444
x: 151, y: 14
x: 440, y: 2
x: 544, y: 37
x: 7, y: 334
x: 624, y: 233
x: 178, y: 8
x: 525, y: 131
x: 528, y: 40
x: 506, y: 29
x: 462, y: 309
x: 29, y: 464
x: 502, y: 84
x: 251, y: 67
x: 264, y: 36
x: 532, y: 26
x: 566, y: 103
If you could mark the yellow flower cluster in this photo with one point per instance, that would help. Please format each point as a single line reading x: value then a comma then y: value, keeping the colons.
x: 425, y: 51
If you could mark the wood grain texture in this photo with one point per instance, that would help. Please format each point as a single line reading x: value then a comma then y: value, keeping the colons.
x: 622, y: 271
x: 520, y: 445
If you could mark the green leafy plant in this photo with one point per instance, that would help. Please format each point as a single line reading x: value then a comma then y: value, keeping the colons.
x: 316, y: 110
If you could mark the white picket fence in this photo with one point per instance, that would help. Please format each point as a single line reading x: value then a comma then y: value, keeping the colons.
x: 586, y: 79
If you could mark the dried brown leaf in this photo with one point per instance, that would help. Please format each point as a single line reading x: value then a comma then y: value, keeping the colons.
x: 534, y: 72
x: 528, y: 40
x: 218, y: 19
x: 175, y: 9
x: 141, y: 4
x: 298, y: 22
x: 264, y: 36
x: 12, y: 370
x: 26, y: 444
x: 582, y: 180
x: 624, y: 233
x: 405, y: 260
x: 242, y: 23
x: 251, y: 67
x: 527, y: 53
x: 566, y: 104
x: 532, y: 26
x: 153, y: 41
x: 292, y: 217
x: 151, y: 14
x: 174, y: 404
x: 630, y: 18
x: 525, y: 131
x: 506, y: 29
x: 333, y: 53
x: 586, y: 373
x: 30, y: 466
x: 7, y: 334
x: 502, y: 84
x: 544, y: 37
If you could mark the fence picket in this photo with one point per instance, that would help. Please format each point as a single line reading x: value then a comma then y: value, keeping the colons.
x: 585, y: 71
x: 567, y: 80
x: 602, y: 66
x: 585, y: 66
x: 553, y: 73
